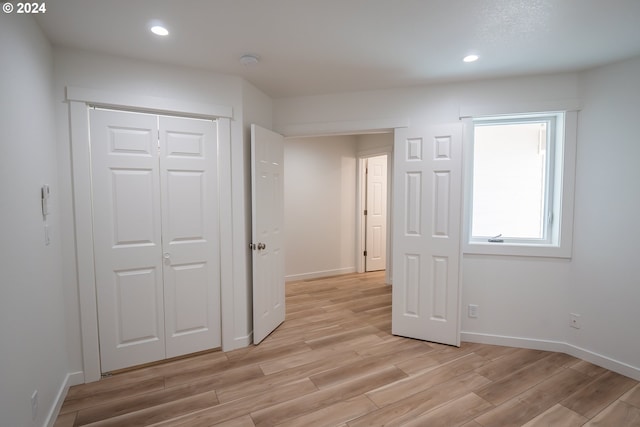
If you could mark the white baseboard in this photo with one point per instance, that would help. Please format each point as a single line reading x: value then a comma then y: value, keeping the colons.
x: 558, y: 346
x: 72, y: 378
x: 319, y: 274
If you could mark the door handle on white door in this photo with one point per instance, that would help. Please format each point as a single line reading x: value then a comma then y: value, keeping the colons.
x: 262, y: 246
x: 167, y: 257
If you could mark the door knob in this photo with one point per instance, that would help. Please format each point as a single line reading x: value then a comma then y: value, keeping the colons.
x: 262, y: 246
x: 167, y: 257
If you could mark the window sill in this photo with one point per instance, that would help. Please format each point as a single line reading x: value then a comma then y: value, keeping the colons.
x: 526, y: 250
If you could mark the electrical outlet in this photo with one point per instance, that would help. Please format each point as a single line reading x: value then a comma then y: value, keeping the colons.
x: 574, y: 320
x: 34, y: 405
x: 472, y: 311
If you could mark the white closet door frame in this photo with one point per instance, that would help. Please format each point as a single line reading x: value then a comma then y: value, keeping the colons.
x: 80, y: 100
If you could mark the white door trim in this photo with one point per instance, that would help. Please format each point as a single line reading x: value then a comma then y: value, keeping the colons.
x: 342, y: 128
x: 79, y: 103
x: 148, y: 104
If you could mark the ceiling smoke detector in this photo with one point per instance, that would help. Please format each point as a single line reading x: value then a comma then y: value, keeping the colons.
x: 249, y: 59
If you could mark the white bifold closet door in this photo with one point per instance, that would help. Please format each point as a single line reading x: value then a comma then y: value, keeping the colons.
x: 156, y: 242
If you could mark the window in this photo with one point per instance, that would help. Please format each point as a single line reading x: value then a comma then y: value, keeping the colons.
x: 517, y: 183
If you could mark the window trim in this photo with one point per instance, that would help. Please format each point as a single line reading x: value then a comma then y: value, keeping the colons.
x: 560, y: 240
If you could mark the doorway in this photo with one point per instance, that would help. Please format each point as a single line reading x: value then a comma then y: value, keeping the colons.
x: 374, y: 214
x: 324, y: 203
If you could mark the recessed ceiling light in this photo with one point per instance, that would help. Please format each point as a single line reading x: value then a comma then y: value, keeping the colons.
x: 249, y: 59
x: 159, y: 30
x: 471, y: 58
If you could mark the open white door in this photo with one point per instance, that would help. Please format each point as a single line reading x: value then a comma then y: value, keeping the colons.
x: 426, y: 221
x: 267, y: 193
x: 376, y: 237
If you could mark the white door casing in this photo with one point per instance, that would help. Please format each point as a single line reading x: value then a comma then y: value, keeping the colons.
x: 427, y: 209
x: 188, y: 171
x: 127, y: 238
x: 376, y: 228
x: 267, y: 192
x: 156, y: 236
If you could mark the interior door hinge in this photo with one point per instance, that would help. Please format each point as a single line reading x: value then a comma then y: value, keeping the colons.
x: 365, y: 212
x: 365, y: 253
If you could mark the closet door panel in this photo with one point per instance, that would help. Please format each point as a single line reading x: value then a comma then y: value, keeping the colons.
x: 127, y: 238
x: 188, y: 171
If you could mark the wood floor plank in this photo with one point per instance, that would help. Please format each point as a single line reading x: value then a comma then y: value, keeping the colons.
x: 334, y: 414
x: 313, y: 401
x: 557, y: 415
x: 66, y: 420
x: 598, y: 394
x: 510, y: 363
x: 419, y: 364
x: 414, y: 384
x: 404, y: 410
x: 588, y: 368
x: 350, y: 371
x: 335, y: 363
x: 452, y: 413
x: 127, y: 390
x: 334, y: 350
x: 234, y: 409
x: 617, y: 414
x: 341, y: 337
x: 147, y: 400
x: 244, y: 421
x: 528, y: 405
x: 111, y: 384
x: 493, y: 352
x: 269, y: 382
x: 160, y: 413
x: 506, y: 387
x: 221, y: 377
x: 632, y: 397
x: 396, y: 345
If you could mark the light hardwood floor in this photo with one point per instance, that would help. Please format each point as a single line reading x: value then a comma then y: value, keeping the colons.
x: 334, y: 362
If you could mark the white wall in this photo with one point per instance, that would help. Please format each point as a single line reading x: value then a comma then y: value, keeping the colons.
x: 530, y: 298
x: 320, y: 200
x: 32, y: 323
x: 375, y: 142
x: 605, y: 280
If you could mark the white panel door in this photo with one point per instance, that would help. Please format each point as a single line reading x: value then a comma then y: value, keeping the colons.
x: 267, y: 170
x: 188, y: 171
x: 426, y: 247
x: 127, y: 238
x: 376, y: 238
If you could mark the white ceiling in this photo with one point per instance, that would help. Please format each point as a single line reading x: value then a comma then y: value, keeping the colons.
x: 323, y: 46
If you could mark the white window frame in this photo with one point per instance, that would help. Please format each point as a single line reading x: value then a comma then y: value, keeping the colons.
x: 559, y: 234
